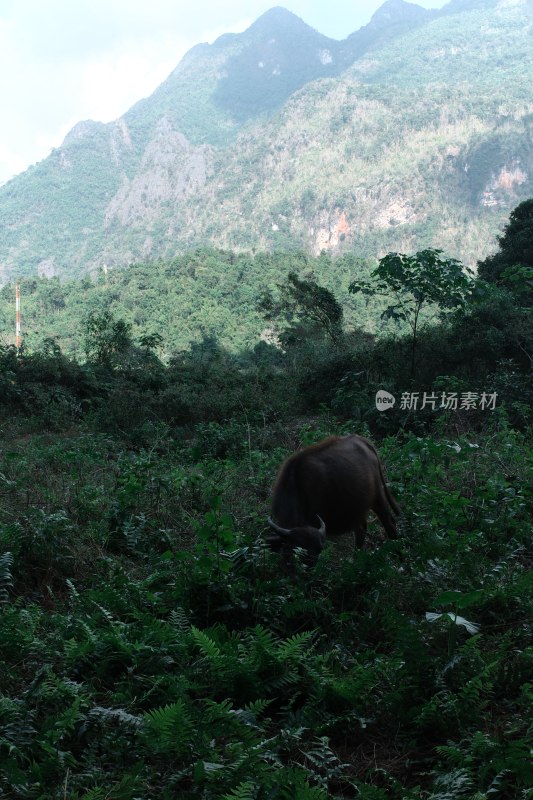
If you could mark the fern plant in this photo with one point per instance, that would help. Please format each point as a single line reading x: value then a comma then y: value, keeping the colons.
x: 6, y: 578
x: 170, y: 729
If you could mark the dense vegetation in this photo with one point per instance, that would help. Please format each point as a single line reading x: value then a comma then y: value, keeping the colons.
x: 205, y: 292
x: 150, y: 644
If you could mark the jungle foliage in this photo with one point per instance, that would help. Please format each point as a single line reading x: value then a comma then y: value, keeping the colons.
x: 203, y: 293
x: 151, y: 645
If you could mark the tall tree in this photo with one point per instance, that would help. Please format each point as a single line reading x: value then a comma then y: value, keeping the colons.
x: 516, y: 244
x: 413, y: 282
x: 106, y: 340
x: 512, y: 265
x: 305, y: 300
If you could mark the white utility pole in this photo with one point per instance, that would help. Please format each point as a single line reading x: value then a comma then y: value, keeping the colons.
x: 17, y: 316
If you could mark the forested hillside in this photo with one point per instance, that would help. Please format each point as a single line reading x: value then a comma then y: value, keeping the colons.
x: 204, y: 292
x: 414, y: 132
x: 152, y: 645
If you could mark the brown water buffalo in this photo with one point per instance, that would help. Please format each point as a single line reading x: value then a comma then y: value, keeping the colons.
x: 329, y: 488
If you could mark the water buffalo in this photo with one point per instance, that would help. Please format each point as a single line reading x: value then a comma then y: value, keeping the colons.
x: 329, y: 487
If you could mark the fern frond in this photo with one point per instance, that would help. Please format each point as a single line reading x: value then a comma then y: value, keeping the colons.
x: 125, y: 789
x: 282, y: 681
x: 295, y: 646
x: 206, y: 645
x: 96, y: 793
x: 92, y: 636
x: 297, y: 787
x: 251, y: 711
x: 452, y: 785
x: 263, y: 637
x: 178, y: 619
x: 6, y: 579
x: 245, y: 791
x: 218, y: 711
x: 306, y: 792
x: 475, y: 691
x: 240, y: 558
x: 321, y: 755
x: 171, y: 726
x: 257, y: 707
x: 107, y: 614
x: 115, y: 715
x: 72, y: 590
x: 12, y: 537
x: 325, y: 764
x: 452, y: 753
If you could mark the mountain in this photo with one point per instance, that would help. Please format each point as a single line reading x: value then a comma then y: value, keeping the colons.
x: 415, y: 131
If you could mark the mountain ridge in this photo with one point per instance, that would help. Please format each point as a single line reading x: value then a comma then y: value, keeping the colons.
x: 398, y: 11
x: 319, y: 162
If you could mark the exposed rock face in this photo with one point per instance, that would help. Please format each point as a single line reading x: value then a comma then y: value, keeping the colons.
x: 46, y: 268
x: 120, y: 140
x: 398, y: 212
x: 503, y: 185
x: 64, y: 161
x: 171, y: 169
x: 333, y: 230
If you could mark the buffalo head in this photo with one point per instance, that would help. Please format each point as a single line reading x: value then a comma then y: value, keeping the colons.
x: 307, y: 537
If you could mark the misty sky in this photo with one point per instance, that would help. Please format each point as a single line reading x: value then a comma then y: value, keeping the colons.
x: 62, y: 61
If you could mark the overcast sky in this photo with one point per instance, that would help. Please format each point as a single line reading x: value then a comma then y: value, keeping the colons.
x: 62, y: 61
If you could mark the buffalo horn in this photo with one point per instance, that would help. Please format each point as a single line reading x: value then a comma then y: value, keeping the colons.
x: 322, y: 529
x: 280, y: 531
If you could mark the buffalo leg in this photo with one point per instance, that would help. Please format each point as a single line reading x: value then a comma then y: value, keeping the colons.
x: 360, y: 532
x: 382, y: 510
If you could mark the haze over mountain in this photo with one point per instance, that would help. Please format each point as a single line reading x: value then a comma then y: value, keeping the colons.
x: 415, y: 131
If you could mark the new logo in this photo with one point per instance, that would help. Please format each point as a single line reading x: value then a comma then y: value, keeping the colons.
x: 384, y: 400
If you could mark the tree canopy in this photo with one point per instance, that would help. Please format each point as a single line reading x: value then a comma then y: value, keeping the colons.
x: 516, y: 249
x: 412, y: 282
